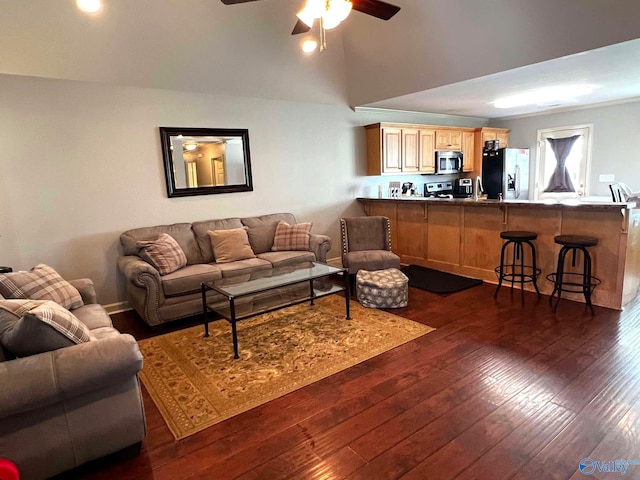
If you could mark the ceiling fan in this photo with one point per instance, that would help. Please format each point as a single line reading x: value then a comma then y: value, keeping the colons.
x: 331, y: 12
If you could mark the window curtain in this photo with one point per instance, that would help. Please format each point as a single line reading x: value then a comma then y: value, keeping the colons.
x: 560, y: 180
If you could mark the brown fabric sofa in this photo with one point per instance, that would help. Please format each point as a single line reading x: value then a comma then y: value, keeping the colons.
x: 62, y: 408
x: 162, y: 298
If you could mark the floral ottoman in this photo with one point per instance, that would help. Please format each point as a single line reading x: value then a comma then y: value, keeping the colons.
x: 382, y: 288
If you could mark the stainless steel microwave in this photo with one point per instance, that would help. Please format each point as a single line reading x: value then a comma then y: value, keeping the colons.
x: 448, y: 162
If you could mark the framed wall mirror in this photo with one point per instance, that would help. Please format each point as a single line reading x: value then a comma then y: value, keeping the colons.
x: 205, y: 161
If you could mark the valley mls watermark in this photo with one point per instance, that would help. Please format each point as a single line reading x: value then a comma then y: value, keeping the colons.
x: 589, y: 466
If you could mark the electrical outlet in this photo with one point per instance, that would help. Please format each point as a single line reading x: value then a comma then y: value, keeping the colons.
x: 607, y: 178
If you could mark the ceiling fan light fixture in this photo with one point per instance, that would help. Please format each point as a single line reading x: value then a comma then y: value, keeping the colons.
x: 89, y: 6
x: 332, y: 12
x: 309, y: 45
x: 312, y: 10
x: 336, y: 12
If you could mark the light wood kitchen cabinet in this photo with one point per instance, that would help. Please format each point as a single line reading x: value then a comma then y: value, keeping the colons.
x: 500, y: 134
x: 427, y: 140
x: 463, y: 237
x: 481, y: 136
x: 468, y: 149
x: 448, y: 139
x: 399, y: 149
x: 391, y: 150
x: 411, y: 221
x: 410, y: 150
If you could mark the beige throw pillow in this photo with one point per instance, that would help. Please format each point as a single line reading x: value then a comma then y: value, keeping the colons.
x: 164, y: 253
x: 40, y: 283
x: 230, y: 245
x: 291, y: 237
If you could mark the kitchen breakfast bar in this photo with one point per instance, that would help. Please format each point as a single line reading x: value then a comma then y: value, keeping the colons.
x: 462, y: 236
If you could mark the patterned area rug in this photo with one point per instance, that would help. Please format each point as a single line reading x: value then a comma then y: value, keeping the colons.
x: 196, y: 383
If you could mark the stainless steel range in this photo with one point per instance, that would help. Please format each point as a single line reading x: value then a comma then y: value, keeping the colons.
x: 438, y: 190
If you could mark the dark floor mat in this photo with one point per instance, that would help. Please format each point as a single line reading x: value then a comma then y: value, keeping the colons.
x: 437, y: 281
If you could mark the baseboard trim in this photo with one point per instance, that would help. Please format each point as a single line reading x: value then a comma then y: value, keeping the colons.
x: 335, y: 262
x: 118, y: 307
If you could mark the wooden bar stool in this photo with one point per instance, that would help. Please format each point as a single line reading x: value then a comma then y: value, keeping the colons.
x: 574, y: 281
x: 517, y: 271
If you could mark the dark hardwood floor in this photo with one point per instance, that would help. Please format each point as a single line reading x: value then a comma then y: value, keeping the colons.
x: 500, y: 390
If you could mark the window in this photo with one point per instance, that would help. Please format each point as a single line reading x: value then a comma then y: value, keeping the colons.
x: 577, y: 163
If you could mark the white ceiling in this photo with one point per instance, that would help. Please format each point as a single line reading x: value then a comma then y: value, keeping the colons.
x: 613, y: 71
x: 436, y: 56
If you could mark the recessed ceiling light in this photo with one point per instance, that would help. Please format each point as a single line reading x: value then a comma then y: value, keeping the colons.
x: 89, y: 6
x: 544, y: 96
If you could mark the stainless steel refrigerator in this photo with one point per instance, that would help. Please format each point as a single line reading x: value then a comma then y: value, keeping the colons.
x: 506, y: 171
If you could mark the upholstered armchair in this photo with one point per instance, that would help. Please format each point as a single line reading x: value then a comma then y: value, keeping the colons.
x: 366, y: 244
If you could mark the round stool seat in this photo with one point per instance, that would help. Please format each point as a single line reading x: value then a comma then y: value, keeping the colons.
x: 518, y: 235
x: 576, y: 240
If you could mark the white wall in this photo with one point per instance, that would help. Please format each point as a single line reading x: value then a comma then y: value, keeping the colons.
x: 81, y: 162
x: 615, y: 147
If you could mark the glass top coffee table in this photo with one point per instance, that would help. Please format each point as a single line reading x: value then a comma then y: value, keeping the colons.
x: 245, y: 296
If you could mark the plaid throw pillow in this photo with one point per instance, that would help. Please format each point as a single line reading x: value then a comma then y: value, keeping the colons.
x: 40, y: 283
x: 30, y: 327
x: 164, y: 253
x: 291, y: 237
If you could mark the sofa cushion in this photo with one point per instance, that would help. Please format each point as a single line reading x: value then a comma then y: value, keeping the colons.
x: 201, y: 228
x: 285, y: 259
x: 164, y: 253
x: 181, y: 233
x: 40, y: 283
x: 269, y: 219
x: 243, y: 267
x: 101, y: 333
x: 93, y: 316
x: 188, y: 279
x: 261, y: 238
x: 29, y: 327
x: 262, y: 230
x: 291, y: 237
x: 230, y: 245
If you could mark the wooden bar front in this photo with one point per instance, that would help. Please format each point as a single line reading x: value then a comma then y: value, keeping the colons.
x: 463, y: 237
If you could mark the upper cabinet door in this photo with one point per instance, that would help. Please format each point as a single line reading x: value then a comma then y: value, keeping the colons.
x: 391, y: 150
x: 502, y: 135
x: 468, y: 140
x: 409, y: 154
x: 427, y: 139
x: 503, y: 138
x: 448, y: 140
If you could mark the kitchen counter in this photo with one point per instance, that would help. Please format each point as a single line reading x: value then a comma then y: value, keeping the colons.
x: 542, y: 204
x: 462, y: 236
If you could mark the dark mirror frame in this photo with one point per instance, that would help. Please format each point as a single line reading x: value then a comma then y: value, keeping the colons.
x: 165, y: 139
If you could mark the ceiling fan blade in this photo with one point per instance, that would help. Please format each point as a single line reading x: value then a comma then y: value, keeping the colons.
x: 376, y: 8
x: 233, y: 2
x: 300, y: 27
